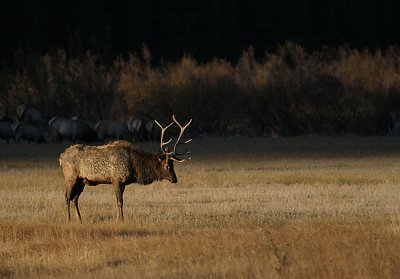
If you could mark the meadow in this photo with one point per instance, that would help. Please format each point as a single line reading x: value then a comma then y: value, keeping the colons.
x: 301, y: 207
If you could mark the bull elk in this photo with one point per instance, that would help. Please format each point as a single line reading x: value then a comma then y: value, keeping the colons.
x: 118, y: 163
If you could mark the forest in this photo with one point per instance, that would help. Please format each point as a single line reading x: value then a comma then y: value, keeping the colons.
x: 289, y: 92
x: 237, y: 68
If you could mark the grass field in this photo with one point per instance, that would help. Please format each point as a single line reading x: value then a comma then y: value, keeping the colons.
x: 307, y: 207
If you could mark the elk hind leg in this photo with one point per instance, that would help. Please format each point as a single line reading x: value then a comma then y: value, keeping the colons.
x: 72, y: 193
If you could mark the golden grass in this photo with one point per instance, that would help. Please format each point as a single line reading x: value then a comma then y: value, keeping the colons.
x: 243, y: 208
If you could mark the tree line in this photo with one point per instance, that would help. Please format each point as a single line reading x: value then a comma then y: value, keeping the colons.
x: 288, y: 92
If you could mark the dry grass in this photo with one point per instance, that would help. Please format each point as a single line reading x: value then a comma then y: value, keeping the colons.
x: 258, y: 208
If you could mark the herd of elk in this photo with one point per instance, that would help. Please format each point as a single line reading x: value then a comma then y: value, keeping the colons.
x: 32, y: 126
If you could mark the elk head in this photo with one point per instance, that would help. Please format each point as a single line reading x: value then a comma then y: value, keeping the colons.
x: 167, y: 158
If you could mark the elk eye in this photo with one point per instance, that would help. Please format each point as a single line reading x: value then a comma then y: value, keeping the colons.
x: 167, y: 167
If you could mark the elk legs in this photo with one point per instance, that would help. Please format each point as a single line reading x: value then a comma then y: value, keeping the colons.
x: 73, y: 192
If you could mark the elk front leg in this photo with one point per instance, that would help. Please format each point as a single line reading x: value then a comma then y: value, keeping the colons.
x: 68, y: 194
x: 67, y: 199
x: 119, y: 192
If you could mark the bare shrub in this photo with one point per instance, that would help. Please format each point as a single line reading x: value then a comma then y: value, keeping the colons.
x: 59, y: 85
x: 289, y: 92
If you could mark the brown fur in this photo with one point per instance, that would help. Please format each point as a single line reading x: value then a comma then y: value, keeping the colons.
x: 119, y: 163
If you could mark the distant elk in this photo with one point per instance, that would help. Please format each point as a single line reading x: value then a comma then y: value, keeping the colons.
x: 107, y: 129
x: 6, y: 131
x: 28, y: 132
x: 137, y: 128
x: 29, y: 114
x: 72, y: 129
x: 118, y: 163
x: 143, y: 129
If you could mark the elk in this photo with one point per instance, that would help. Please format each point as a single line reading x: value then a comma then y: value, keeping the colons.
x: 75, y: 130
x: 27, y: 131
x: 118, y: 163
x: 6, y: 131
x: 137, y: 129
x: 29, y: 114
x: 107, y: 129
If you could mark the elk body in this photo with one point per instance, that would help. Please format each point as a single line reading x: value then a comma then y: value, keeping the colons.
x: 29, y: 114
x: 74, y: 130
x: 27, y: 131
x: 107, y: 129
x: 118, y: 163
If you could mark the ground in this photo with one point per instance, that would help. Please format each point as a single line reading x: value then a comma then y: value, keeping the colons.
x: 305, y: 207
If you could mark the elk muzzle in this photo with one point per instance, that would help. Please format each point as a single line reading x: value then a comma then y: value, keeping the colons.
x: 172, y: 178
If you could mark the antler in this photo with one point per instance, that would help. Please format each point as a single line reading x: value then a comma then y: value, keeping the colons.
x: 162, y: 144
x: 178, y: 141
